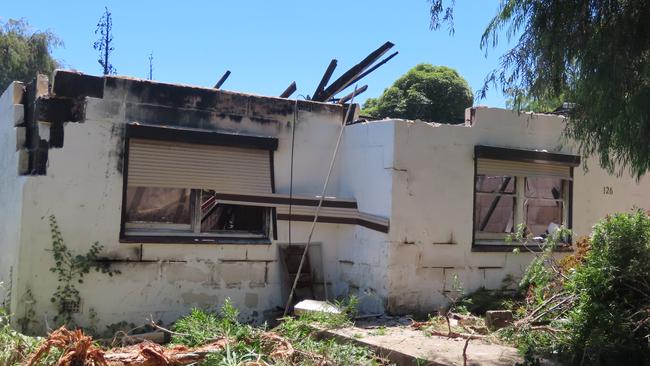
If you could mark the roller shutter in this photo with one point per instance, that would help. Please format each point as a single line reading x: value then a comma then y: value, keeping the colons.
x: 225, y: 169
x: 515, y: 168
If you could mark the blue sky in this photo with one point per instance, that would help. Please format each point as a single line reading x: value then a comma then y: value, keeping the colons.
x: 266, y: 44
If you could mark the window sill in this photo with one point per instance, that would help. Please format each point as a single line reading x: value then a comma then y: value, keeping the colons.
x: 506, y: 248
x: 202, y: 240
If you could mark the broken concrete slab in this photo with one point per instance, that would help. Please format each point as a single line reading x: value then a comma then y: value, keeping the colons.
x: 315, y: 306
x: 403, y: 345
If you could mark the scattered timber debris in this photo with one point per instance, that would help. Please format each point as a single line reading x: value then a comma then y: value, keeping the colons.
x: 78, y: 349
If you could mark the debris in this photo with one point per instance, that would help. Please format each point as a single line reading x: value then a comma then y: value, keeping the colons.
x: 277, y: 346
x: 78, y: 349
x: 497, y: 319
x: 152, y: 354
x: 314, y: 306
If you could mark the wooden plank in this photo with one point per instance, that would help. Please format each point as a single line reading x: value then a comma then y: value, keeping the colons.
x: 325, y: 79
x: 222, y: 80
x: 289, y: 90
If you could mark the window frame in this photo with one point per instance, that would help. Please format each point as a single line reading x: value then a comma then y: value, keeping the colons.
x: 480, y: 243
x: 161, y: 233
x: 513, y: 195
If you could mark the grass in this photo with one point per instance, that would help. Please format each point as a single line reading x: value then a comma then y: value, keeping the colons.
x: 248, y: 345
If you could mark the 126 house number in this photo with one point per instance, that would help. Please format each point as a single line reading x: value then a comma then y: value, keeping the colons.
x: 608, y: 191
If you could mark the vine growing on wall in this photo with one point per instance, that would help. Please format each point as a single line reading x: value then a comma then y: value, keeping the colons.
x: 70, y: 270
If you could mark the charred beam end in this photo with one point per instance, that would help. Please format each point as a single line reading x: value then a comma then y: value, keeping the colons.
x: 222, y: 80
x: 59, y: 110
x: 37, y: 148
x: 355, y: 71
x: 289, y: 90
x: 325, y: 79
x: 38, y: 158
x: 76, y: 85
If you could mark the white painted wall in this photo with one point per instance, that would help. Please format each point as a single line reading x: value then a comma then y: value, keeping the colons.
x: 83, y: 189
x: 419, y: 175
x: 11, y: 191
x: 365, y: 166
x: 432, y: 203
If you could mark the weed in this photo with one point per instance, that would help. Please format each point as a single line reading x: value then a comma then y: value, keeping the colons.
x: 70, y: 269
x: 380, y: 331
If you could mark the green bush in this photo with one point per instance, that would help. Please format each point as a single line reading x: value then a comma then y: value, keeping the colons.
x: 610, y: 322
x: 426, y: 92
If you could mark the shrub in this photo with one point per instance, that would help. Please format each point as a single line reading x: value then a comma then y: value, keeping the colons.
x: 610, y: 322
x: 595, y: 304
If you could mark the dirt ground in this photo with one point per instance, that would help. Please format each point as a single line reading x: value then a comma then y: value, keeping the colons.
x: 396, y: 340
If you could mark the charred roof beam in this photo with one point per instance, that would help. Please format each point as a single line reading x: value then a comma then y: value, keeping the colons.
x: 353, y: 73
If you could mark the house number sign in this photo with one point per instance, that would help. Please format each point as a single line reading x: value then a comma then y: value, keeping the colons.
x: 608, y: 190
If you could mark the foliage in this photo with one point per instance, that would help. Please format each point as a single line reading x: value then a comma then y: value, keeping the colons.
x: 25, y: 53
x: 482, y: 300
x: 611, y: 320
x: 70, y: 270
x: 300, y: 332
x: 526, y: 103
x: 595, y: 54
x: 426, y: 92
x: 442, y: 14
x: 248, y: 343
x: 105, y: 42
x: 199, y: 326
x: 592, y: 307
x: 15, y: 348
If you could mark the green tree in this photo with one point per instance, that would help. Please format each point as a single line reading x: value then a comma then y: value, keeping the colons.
x: 24, y: 53
x: 594, y: 53
x: 426, y: 92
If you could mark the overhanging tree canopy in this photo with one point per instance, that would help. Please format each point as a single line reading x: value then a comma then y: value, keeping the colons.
x: 595, y: 54
x: 24, y: 53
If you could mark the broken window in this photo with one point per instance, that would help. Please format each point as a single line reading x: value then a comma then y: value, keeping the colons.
x: 544, y: 206
x: 172, y: 211
x: 163, y: 195
x: 495, y: 204
x: 225, y: 218
x: 158, y: 205
x: 534, y: 195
